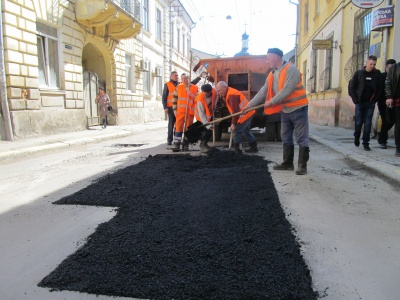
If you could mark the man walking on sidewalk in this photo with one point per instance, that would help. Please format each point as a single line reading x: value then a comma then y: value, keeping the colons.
x: 365, y: 89
x: 392, y: 92
x: 284, y: 92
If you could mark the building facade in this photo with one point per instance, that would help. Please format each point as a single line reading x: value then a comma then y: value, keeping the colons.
x: 58, y: 52
x: 335, y: 37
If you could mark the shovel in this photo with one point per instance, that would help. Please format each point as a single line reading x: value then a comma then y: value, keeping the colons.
x: 193, y: 133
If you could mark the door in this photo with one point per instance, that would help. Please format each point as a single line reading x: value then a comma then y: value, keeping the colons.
x: 90, y: 88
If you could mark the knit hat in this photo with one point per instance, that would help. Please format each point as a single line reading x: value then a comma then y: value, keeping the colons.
x: 206, y: 88
x: 390, y: 62
x: 275, y: 51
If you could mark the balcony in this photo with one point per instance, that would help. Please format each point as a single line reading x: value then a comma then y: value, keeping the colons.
x: 118, y: 19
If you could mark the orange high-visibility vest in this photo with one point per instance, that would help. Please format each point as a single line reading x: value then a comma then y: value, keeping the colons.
x: 184, y: 99
x: 242, y: 105
x: 171, y: 90
x: 202, y: 98
x: 297, y: 98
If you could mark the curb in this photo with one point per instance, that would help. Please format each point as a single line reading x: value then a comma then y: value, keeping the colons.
x: 385, y: 169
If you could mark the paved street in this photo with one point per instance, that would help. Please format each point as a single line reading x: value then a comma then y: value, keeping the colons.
x: 345, y: 211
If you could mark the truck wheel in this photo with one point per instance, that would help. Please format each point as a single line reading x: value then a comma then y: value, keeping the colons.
x: 270, y: 131
x: 278, y: 132
x: 218, y: 132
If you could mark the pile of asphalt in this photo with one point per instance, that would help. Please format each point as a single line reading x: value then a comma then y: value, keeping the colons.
x: 188, y: 227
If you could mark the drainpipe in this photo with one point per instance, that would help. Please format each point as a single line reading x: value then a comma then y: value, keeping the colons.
x: 385, y: 41
x: 3, y: 87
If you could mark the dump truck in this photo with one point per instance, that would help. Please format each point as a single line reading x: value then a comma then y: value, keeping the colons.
x: 247, y: 74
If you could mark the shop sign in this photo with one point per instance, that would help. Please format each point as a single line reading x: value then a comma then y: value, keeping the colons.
x: 382, y: 17
x: 367, y: 3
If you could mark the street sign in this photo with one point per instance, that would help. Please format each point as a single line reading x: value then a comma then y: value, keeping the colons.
x: 322, y: 44
x: 366, y: 3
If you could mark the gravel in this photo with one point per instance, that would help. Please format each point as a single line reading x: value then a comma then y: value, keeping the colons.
x: 188, y: 227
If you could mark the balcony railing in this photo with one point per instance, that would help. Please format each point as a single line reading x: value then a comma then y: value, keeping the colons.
x: 132, y: 7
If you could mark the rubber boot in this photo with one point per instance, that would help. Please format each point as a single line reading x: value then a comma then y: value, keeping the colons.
x: 204, y: 148
x: 288, y: 155
x: 236, y: 148
x: 253, y: 148
x: 304, y: 155
x: 177, y: 147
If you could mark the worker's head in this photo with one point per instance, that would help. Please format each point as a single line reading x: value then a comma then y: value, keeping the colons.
x: 371, y: 63
x: 274, y: 57
x: 389, y: 63
x: 222, y: 88
x: 184, y: 78
x: 174, y: 75
x: 206, y: 89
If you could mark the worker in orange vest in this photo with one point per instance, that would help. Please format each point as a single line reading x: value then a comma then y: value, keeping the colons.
x: 183, y: 106
x: 240, y: 125
x: 204, y: 106
x: 284, y: 92
x: 167, y: 99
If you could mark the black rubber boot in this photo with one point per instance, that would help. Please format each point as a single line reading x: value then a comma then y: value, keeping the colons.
x: 304, y: 155
x: 104, y: 124
x: 185, y: 145
x: 236, y: 148
x: 288, y: 155
x: 177, y: 147
x: 253, y: 148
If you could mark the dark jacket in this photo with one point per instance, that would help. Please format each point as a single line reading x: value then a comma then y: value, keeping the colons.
x: 392, y: 80
x: 357, y: 82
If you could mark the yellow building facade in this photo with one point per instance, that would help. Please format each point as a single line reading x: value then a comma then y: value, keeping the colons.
x: 335, y: 37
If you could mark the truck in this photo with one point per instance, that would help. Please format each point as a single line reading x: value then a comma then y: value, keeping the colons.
x: 247, y: 74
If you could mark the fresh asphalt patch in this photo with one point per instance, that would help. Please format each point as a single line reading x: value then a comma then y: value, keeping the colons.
x: 188, y: 227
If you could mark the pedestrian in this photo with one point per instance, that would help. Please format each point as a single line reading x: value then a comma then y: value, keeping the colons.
x: 103, y: 102
x: 205, y: 104
x: 240, y: 125
x: 392, y: 92
x: 387, y: 114
x: 183, y: 106
x: 167, y: 99
x: 283, y: 92
x: 365, y: 89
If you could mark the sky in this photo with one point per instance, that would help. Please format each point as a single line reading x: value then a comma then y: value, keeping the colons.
x: 269, y: 24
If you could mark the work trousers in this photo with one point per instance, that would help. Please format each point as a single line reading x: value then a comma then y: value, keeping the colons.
x: 243, y: 129
x: 364, y: 112
x: 387, y: 116
x: 171, y: 124
x: 295, y: 123
x: 179, y: 123
x: 397, y: 127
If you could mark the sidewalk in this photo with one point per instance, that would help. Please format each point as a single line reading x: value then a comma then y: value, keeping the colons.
x: 378, y: 160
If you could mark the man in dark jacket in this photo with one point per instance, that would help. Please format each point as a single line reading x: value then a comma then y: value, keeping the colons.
x: 365, y: 89
x: 392, y: 92
x: 387, y: 114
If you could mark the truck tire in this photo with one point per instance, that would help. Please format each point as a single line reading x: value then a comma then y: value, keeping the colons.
x: 218, y: 132
x: 278, y: 131
x: 270, y: 131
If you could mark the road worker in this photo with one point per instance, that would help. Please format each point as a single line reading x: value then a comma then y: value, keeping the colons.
x: 240, y: 125
x: 205, y: 104
x: 183, y: 106
x: 283, y: 92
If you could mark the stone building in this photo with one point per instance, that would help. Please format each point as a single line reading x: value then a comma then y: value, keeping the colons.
x: 335, y: 38
x: 58, y: 52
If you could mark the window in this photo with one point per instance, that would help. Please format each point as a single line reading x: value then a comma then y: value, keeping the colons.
x: 146, y: 14
x: 188, y: 48
x: 183, y: 44
x: 306, y: 17
x: 172, y: 34
x: 160, y: 85
x: 158, y: 25
x: 178, y: 36
x: 146, y: 82
x: 326, y: 77
x: 317, y: 7
x: 47, y: 43
x: 129, y: 74
x: 361, y: 36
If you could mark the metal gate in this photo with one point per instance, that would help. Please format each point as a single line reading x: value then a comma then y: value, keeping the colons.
x: 90, y: 88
